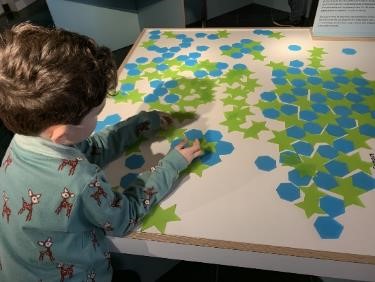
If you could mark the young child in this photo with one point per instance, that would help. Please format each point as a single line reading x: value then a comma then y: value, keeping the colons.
x: 57, y: 205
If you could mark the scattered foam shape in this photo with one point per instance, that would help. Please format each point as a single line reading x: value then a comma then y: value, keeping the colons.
x: 364, y: 181
x: 109, y: 120
x: 325, y: 180
x: 288, y: 192
x: 294, y: 47
x: 328, y: 228
x: 332, y: 205
x: 134, y: 161
x: 159, y: 218
x: 265, y: 163
x: 128, y: 179
x: 349, y: 51
x: 296, y: 178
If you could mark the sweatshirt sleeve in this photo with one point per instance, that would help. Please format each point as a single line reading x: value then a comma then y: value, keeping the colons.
x: 105, y: 146
x: 119, y: 213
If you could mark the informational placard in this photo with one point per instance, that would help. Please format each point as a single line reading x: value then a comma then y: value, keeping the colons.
x: 345, y: 18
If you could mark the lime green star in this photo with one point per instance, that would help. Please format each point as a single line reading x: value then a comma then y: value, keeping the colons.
x: 276, y: 35
x: 255, y: 129
x: 132, y: 96
x: 277, y: 66
x: 258, y: 56
x: 309, y: 166
x: 283, y: 140
x: 159, y: 218
x: 196, y: 167
x: 359, y: 140
x: 317, y: 52
x: 354, y: 162
x: 347, y: 88
x: 222, y: 34
x: 310, y: 203
x: 326, y: 75
x: 350, y: 193
x: 148, y: 43
x: 354, y: 73
x: 169, y: 34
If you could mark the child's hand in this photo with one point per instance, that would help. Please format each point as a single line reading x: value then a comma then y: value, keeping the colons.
x: 189, y: 153
x: 166, y: 120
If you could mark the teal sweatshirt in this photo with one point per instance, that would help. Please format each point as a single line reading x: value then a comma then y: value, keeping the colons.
x: 57, y: 205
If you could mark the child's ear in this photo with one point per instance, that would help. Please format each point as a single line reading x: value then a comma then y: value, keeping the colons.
x: 56, y: 133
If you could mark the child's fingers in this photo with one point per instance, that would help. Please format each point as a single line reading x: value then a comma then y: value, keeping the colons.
x: 181, y: 145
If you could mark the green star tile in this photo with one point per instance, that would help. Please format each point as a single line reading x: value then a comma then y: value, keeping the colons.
x: 148, y: 43
x: 258, y: 56
x: 159, y: 218
x: 354, y: 162
x: 255, y: 129
x: 232, y: 125
x: 354, y: 73
x: 169, y: 34
x: 222, y: 34
x: 309, y: 166
x: 320, y: 138
x: 196, y: 167
x: 283, y: 140
x: 291, y: 120
x: 317, y: 52
x: 276, y: 35
x: 326, y: 75
x: 310, y: 203
x: 350, y: 193
x: 206, y: 64
x: 133, y: 96
x: 359, y: 140
x: 277, y: 66
x: 347, y: 88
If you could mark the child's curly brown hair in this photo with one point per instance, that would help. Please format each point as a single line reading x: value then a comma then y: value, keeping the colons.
x: 50, y: 76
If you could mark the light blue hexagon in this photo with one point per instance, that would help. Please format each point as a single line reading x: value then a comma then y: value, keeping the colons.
x: 295, y: 177
x: 363, y: 181
x: 134, y: 161
x: 224, y: 147
x: 303, y: 148
x: 343, y: 145
x: 337, y: 168
x: 332, y: 206
x: 193, y: 134
x: 213, y: 135
x: 295, y: 132
x: 328, y: 228
x: 128, y: 179
x: 210, y: 158
x: 325, y: 180
x: 327, y: 151
x: 265, y: 163
x: 288, y: 192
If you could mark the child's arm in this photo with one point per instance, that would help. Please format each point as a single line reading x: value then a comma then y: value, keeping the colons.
x: 108, y: 144
x: 119, y: 213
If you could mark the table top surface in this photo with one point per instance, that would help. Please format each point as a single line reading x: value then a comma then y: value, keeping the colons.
x: 287, y: 124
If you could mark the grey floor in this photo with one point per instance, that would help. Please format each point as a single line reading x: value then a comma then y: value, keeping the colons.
x: 163, y: 270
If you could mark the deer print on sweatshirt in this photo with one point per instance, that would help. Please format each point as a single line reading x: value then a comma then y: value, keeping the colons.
x: 6, y: 210
x: 46, y: 244
x: 64, y: 204
x: 71, y: 163
x: 34, y: 200
x: 66, y: 271
x: 8, y: 161
x: 99, y: 191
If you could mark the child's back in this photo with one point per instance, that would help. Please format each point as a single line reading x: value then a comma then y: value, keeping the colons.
x: 57, y: 206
